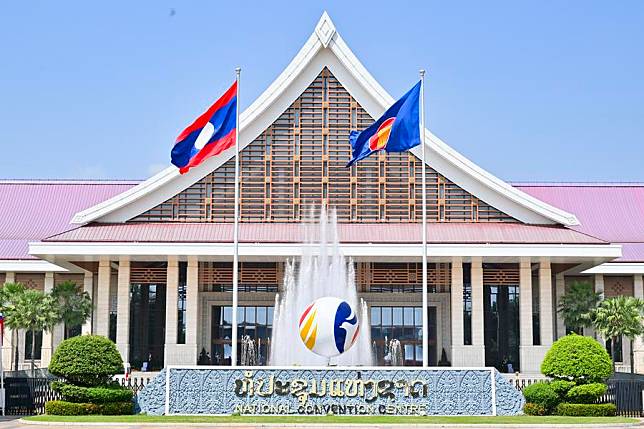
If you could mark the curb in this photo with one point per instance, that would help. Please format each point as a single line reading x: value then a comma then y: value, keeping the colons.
x: 326, y: 425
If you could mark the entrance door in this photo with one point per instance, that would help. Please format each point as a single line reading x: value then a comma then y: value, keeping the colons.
x: 501, y: 312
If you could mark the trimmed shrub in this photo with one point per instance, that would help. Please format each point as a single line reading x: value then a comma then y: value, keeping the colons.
x: 586, y: 393
x: 579, y: 359
x: 591, y: 410
x: 96, y: 395
x: 541, y: 394
x: 64, y: 408
x: 561, y: 387
x: 534, y: 409
x: 86, y: 360
x: 117, y: 408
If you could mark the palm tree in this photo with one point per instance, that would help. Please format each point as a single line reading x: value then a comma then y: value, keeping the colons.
x: 75, y: 305
x: 577, y: 306
x: 9, y: 295
x: 617, y: 317
x: 34, y: 311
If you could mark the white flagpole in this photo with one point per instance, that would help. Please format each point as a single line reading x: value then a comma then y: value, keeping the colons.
x: 233, y: 353
x: 424, y: 220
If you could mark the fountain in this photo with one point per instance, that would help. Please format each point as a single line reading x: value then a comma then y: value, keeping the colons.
x: 319, y: 305
x: 248, y: 351
x: 393, y: 352
x: 322, y: 271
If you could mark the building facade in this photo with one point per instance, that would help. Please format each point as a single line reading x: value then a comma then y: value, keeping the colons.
x: 156, y: 256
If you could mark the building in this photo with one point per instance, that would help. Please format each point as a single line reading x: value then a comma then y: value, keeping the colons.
x: 156, y: 256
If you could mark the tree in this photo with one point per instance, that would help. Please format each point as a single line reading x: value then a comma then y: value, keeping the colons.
x: 617, y: 317
x: 75, y: 305
x: 577, y: 306
x: 34, y: 311
x: 9, y: 295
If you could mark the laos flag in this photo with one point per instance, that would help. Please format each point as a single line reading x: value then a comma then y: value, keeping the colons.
x: 397, y: 130
x: 210, y: 134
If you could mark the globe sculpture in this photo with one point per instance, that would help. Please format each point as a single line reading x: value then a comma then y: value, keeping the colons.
x: 329, y: 326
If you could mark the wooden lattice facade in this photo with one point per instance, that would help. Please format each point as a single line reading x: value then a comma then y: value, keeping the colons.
x: 501, y: 274
x: 148, y: 273
x: 253, y: 276
x: 300, y: 161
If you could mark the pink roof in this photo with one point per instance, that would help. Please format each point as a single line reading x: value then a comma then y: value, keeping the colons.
x: 33, y: 209
x: 348, y: 233
x: 611, y: 211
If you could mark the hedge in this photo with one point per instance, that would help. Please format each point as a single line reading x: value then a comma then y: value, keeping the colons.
x: 591, y: 410
x: 586, y: 393
x: 541, y: 394
x: 561, y: 387
x: 86, y: 360
x: 96, y: 395
x: 534, y: 409
x: 579, y: 359
x: 64, y: 408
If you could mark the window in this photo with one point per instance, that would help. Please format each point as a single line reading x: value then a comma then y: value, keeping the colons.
x: 28, y: 342
x: 406, y: 325
x: 467, y: 304
x: 254, y: 321
x: 181, y: 303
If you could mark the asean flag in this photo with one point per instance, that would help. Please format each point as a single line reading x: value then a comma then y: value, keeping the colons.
x: 210, y: 134
x: 397, y: 130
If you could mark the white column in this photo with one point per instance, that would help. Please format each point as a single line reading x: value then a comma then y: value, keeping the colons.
x: 477, y: 355
x: 456, y: 310
x: 560, y: 291
x: 47, y: 336
x: 123, y: 309
x: 192, y: 314
x: 525, y: 303
x: 172, y: 353
x: 102, y: 303
x: 88, y: 286
x: 545, y: 302
x: 638, y: 344
x: 526, y: 344
x: 7, y: 345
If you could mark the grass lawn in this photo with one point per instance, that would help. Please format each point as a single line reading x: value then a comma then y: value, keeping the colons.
x: 337, y: 419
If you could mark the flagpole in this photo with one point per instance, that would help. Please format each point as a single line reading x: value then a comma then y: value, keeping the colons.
x: 233, y: 354
x: 424, y: 220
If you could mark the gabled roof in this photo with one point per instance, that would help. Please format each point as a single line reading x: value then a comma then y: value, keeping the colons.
x: 326, y: 48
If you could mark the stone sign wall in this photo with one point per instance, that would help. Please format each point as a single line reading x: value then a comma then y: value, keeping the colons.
x: 321, y: 391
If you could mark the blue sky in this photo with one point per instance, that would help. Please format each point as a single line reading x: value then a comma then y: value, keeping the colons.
x: 538, y: 91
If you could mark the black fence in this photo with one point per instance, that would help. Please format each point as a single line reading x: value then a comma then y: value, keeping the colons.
x: 625, y: 391
x: 27, y: 395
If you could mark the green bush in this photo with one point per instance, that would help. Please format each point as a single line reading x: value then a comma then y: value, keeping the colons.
x: 561, y: 387
x: 534, y: 409
x: 591, y: 410
x: 86, y: 360
x: 586, y: 393
x: 117, y: 408
x: 541, y: 394
x: 64, y: 408
x: 96, y: 395
x: 579, y: 359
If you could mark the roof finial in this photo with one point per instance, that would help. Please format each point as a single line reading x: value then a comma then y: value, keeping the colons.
x: 325, y: 29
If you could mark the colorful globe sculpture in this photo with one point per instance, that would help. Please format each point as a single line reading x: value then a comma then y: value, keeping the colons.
x: 329, y: 326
